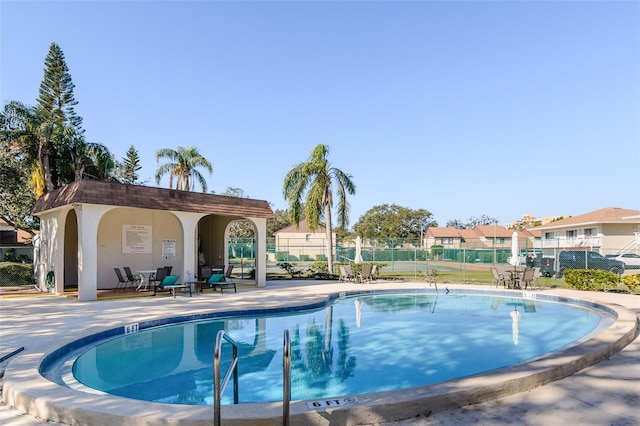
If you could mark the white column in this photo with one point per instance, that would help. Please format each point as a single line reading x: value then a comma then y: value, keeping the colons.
x: 89, y: 216
x: 261, y: 251
x: 189, y: 223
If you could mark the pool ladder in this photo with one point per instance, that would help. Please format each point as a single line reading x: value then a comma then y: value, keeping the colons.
x: 218, y: 389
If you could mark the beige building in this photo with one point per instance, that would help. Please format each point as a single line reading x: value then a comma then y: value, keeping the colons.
x: 300, y: 243
x: 609, y: 230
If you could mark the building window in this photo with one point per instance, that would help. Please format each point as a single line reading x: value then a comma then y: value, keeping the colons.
x: 450, y: 241
x: 307, y: 237
x: 549, y: 236
x: 590, y: 232
x: 571, y: 234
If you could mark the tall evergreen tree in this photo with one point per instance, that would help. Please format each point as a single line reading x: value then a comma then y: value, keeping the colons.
x: 56, y: 100
x: 128, y: 169
x: 55, y: 108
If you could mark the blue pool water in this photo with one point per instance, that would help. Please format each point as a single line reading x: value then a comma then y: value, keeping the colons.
x: 359, y: 344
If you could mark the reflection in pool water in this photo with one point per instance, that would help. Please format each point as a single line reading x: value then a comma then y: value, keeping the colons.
x: 365, y: 343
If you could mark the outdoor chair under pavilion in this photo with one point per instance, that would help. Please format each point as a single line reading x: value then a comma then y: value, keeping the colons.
x: 159, y: 275
x: 170, y: 283
x: 132, y: 278
x: 122, y: 281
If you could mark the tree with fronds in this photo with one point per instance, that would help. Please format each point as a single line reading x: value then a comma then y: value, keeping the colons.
x: 314, y: 182
x: 182, y: 167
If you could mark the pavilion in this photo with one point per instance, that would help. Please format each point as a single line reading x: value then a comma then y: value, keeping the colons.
x: 89, y: 227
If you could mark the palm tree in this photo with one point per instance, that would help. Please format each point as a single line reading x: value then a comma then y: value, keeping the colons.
x: 182, y: 167
x: 32, y: 134
x: 316, y: 176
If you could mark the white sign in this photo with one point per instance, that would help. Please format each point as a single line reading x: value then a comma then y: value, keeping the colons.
x: 336, y: 402
x: 136, y: 238
x: 168, y: 249
x: 131, y: 328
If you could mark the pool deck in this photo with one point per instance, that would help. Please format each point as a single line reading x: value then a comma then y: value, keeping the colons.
x: 607, y: 393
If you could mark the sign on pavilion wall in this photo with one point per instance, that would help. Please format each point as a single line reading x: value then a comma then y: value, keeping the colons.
x: 137, y: 238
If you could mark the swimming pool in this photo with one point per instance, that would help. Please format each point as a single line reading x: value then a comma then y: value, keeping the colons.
x: 352, y: 344
x: 31, y: 385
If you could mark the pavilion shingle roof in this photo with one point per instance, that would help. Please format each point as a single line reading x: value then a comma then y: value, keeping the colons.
x: 147, y: 197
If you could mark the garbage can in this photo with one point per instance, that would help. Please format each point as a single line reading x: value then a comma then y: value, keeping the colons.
x: 546, y: 267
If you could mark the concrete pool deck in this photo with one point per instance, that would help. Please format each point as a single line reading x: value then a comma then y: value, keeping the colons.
x: 605, y: 393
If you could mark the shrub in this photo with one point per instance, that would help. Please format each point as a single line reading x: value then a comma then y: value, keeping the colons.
x: 632, y: 281
x: 16, y: 274
x: 591, y: 279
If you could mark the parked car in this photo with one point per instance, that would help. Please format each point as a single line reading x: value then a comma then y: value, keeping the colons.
x: 587, y: 260
x: 630, y: 260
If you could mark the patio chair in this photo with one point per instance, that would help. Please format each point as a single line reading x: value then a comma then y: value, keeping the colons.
x: 374, y: 270
x: 205, y: 273
x: 122, y: 281
x: 170, y: 284
x: 132, y: 278
x: 527, y: 277
x: 158, y: 276
x: 365, y: 273
x: 499, y: 277
x: 346, y: 274
x: 536, y: 274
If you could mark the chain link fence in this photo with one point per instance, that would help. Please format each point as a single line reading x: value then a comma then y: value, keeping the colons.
x: 394, y: 256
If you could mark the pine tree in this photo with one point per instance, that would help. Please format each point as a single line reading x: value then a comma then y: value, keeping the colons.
x: 56, y: 100
x: 55, y: 107
x: 130, y: 166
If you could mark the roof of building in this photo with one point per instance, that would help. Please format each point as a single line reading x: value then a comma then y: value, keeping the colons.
x: 605, y: 215
x: 22, y: 237
x: 490, y: 231
x: 147, y: 197
x: 302, y: 227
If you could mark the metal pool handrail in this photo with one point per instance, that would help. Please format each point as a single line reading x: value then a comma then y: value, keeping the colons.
x: 218, y: 389
x: 286, y: 377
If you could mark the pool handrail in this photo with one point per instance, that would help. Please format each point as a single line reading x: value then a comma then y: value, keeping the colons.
x: 286, y: 377
x: 218, y: 389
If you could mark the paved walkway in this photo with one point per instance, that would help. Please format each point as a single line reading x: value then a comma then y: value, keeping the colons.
x: 605, y: 394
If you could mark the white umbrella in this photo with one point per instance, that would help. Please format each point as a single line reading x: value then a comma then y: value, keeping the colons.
x: 358, y: 304
x: 515, y: 251
x: 515, y: 326
x: 358, y: 258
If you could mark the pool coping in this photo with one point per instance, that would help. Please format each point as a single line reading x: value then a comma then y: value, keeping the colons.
x: 26, y: 389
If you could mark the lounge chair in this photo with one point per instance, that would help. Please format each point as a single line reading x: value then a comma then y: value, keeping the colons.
x: 216, y: 281
x: 170, y: 284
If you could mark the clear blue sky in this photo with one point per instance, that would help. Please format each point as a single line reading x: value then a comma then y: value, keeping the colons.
x: 459, y: 108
